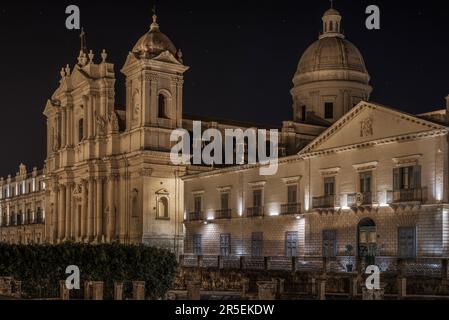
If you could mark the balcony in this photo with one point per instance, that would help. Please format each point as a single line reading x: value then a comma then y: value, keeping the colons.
x: 255, y: 212
x: 290, y: 208
x: 223, y: 214
x: 407, y: 195
x: 324, y: 202
x: 360, y: 199
x: 195, y: 216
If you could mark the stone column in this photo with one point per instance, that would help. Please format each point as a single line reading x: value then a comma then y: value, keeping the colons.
x: 68, y: 211
x: 267, y: 290
x: 118, y: 290
x: 97, y: 290
x: 90, y: 210
x: 193, y: 290
x: 63, y: 128
x: 63, y: 291
x: 61, y: 213
x: 110, y: 230
x: 139, y: 290
x: 99, y: 210
x: 402, y: 287
x: 83, y: 218
x: 54, y: 217
x: 322, y: 288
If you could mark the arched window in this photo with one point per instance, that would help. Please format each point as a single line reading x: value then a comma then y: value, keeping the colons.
x: 162, y: 106
x: 162, y: 208
x: 80, y: 129
x: 331, y: 26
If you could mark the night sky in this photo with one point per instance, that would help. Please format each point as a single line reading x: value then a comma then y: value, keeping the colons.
x: 242, y: 55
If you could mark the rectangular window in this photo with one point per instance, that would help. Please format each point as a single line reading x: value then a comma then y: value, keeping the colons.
x: 291, y: 244
x: 198, y: 244
x: 407, y: 243
x: 257, y: 244
x: 407, y: 178
x: 225, y: 244
x: 292, y: 194
x: 365, y: 182
x: 257, y: 198
x: 328, y: 110
x: 197, y: 204
x: 224, y: 201
x: 329, y: 186
x: 329, y: 243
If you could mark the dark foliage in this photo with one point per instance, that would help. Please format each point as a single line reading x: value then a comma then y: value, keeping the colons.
x: 41, y: 267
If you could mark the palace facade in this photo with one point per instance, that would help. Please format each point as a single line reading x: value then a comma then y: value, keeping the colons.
x: 356, y: 179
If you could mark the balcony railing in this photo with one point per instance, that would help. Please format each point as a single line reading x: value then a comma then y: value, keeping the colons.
x: 195, y: 216
x: 357, y: 199
x: 290, y: 208
x: 223, y: 214
x: 407, y: 195
x: 255, y: 212
x: 324, y: 202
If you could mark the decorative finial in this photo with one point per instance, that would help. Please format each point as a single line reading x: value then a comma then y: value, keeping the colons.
x: 83, y: 46
x: 179, y: 54
x: 104, y: 55
x: 67, y: 70
x: 332, y: 3
x: 91, y: 56
x: 154, y: 26
x: 62, y: 73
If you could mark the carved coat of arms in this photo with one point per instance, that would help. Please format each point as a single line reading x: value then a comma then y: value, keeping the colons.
x: 366, y: 128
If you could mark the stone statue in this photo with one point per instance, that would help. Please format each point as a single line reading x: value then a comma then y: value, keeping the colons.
x: 113, y: 122
x: 366, y: 128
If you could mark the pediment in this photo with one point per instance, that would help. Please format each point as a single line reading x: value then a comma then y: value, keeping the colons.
x: 368, y: 122
x: 162, y: 192
x: 168, y: 57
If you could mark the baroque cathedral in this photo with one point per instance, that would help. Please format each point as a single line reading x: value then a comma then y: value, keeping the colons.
x: 356, y: 179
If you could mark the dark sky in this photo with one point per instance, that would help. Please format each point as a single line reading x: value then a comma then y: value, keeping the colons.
x: 242, y: 55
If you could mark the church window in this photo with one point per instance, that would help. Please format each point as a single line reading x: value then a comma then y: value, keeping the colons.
x: 331, y: 26
x: 80, y: 130
x: 162, y: 106
x: 328, y: 110
x: 303, y: 113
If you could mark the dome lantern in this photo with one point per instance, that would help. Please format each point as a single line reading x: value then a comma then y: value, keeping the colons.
x: 331, y: 24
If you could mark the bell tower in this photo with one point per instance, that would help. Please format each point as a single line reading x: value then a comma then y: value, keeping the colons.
x: 154, y: 89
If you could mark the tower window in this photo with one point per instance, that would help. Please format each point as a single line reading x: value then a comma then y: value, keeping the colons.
x: 80, y: 130
x: 303, y: 113
x: 328, y: 110
x: 162, y: 106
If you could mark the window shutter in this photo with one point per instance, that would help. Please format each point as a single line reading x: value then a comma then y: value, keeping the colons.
x: 396, y: 179
x: 417, y: 177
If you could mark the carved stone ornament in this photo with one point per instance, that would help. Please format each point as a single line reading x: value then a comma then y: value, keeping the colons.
x: 366, y: 128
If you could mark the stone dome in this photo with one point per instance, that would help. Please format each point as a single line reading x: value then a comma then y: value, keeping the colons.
x: 330, y: 53
x: 154, y: 42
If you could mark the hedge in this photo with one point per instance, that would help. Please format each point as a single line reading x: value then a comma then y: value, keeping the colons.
x: 41, y: 267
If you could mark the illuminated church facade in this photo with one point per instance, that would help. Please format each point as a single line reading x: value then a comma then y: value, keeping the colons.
x: 355, y: 179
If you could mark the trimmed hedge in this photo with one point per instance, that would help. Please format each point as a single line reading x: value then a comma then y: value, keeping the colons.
x: 41, y: 267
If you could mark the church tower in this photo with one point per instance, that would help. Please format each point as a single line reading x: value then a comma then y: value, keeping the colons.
x: 331, y: 77
x: 154, y: 83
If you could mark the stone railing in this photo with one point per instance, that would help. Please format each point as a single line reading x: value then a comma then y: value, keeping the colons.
x: 255, y: 212
x: 290, y: 208
x: 407, y: 195
x: 324, y: 202
x: 223, y: 214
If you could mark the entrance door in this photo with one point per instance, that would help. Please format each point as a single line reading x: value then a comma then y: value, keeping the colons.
x: 367, y: 241
x: 291, y: 244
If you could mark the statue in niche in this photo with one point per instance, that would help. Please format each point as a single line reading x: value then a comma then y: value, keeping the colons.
x: 136, y: 106
x: 113, y: 122
x: 101, y: 124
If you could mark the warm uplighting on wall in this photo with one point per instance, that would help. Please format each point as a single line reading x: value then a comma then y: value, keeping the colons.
x: 240, y: 207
